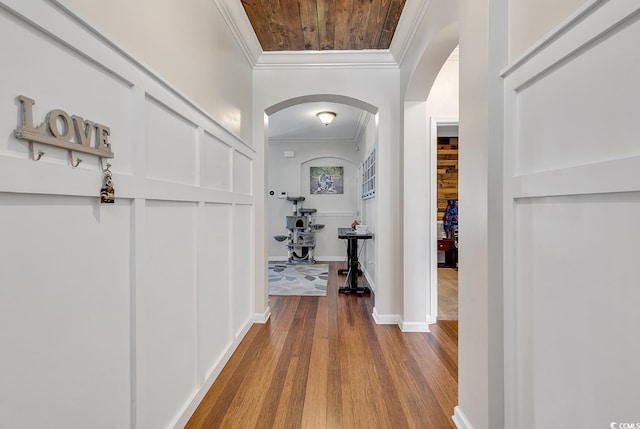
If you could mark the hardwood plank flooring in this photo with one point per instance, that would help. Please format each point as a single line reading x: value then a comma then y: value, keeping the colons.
x: 447, y: 294
x: 322, y: 362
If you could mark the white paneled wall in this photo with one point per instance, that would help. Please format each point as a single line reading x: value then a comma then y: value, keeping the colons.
x: 64, y: 311
x: 170, y: 145
x: 114, y: 315
x: 572, y: 197
x: 216, y: 157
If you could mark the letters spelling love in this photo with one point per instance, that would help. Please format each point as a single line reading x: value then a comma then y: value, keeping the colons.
x: 62, y: 128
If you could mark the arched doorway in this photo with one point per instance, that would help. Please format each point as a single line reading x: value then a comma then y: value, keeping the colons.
x: 365, y: 139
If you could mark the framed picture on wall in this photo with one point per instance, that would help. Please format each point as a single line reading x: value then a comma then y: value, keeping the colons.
x: 326, y: 180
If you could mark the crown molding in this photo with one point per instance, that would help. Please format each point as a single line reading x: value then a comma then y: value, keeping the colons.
x: 236, y: 19
x: 366, y: 58
x: 363, y: 121
x: 412, y: 16
x: 286, y: 140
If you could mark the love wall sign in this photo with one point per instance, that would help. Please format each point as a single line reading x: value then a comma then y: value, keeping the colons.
x: 59, y: 129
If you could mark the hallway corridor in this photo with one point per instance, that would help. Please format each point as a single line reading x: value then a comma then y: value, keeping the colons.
x: 321, y: 362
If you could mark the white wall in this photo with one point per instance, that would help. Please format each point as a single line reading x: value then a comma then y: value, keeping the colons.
x: 378, y: 88
x: 571, y: 290
x: 189, y: 46
x: 114, y: 315
x: 443, y: 100
x: 473, y: 258
x: 435, y: 37
x: 530, y: 20
x: 367, y: 208
x: 420, y: 264
x: 291, y: 175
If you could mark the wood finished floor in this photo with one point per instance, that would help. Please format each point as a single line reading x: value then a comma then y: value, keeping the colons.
x: 447, y: 294
x: 321, y: 362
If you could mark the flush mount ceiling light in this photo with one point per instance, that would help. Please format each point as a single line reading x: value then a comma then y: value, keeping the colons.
x: 326, y: 117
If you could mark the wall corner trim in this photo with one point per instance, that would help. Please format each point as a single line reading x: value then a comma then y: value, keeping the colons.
x: 190, y: 407
x: 262, y: 317
x: 386, y: 319
x: 414, y: 326
x: 460, y: 419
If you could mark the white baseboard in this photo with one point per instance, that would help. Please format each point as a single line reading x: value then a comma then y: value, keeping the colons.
x: 317, y: 258
x: 460, y: 420
x: 262, y: 317
x: 414, y: 326
x: 385, y: 319
x: 197, y: 397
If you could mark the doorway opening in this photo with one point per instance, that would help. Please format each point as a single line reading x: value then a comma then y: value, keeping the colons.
x: 444, y: 237
x: 297, y: 144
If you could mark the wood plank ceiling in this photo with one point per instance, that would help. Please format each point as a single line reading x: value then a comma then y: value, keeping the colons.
x: 297, y: 25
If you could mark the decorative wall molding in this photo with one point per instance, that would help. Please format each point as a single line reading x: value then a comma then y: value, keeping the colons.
x: 262, y: 317
x: 460, y: 420
x: 147, y: 117
x: 318, y: 60
x: 414, y: 326
x: 558, y: 158
x: 236, y: 19
x: 88, y: 45
x: 386, y: 319
x: 583, y: 12
x: 239, y: 25
x: 191, y: 406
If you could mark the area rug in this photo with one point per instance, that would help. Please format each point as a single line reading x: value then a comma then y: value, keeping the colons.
x: 298, y: 279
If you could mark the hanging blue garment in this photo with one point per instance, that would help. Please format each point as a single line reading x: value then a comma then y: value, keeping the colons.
x: 451, y: 216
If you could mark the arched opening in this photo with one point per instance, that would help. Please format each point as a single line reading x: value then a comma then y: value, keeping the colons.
x: 420, y: 237
x: 291, y: 151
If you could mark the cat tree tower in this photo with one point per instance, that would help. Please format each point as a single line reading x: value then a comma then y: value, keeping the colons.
x: 301, y: 239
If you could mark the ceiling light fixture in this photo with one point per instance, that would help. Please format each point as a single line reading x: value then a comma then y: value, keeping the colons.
x: 326, y: 117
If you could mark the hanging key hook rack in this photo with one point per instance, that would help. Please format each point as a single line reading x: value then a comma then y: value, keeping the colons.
x: 74, y: 162
x: 33, y: 153
x: 59, y: 129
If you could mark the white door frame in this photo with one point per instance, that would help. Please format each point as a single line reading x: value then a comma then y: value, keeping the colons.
x: 433, y: 213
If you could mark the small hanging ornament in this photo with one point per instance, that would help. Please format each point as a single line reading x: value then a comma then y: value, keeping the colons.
x: 107, y: 193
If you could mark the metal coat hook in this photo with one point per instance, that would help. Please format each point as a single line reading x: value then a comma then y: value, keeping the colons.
x: 76, y: 162
x: 105, y: 169
x: 33, y: 153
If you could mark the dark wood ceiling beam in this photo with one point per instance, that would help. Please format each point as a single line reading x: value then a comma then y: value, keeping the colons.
x: 359, y: 21
x: 293, y: 23
x: 376, y: 22
x: 255, y: 12
x: 326, y: 23
x: 273, y: 15
x: 309, y: 19
x: 343, y: 23
x: 391, y: 23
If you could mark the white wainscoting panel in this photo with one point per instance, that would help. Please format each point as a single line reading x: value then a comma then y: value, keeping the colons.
x: 78, y: 87
x: 216, y: 159
x: 114, y: 315
x: 167, y: 312
x: 242, y: 173
x: 64, y: 311
x: 582, y: 122
x: 214, y: 287
x: 576, y: 308
x: 171, y: 145
x: 571, y: 201
x: 242, y: 264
